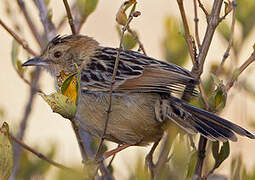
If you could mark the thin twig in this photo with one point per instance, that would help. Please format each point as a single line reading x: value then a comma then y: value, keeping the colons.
x: 38, y: 154
x: 70, y: 17
x: 30, y: 23
x: 80, y: 141
x: 81, y: 22
x: 189, y: 39
x: 250, y: 60
x: 141, y: 47
x: 62, y: 21
x: 203, y: 95
x: 200, y: 157
x: 110, y: 163
x: 49, y: 27
x: 164, y: 153
x: 196, y: 24
x: 229, y: 9
x: 18, y: 39
x: 230, y: 42
x: 131, y: 16
x: 213, y: 21
x: 149, y: 159
x: 203, y: 8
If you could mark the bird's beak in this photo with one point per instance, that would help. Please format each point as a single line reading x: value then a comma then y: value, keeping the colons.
x: 36, y: 61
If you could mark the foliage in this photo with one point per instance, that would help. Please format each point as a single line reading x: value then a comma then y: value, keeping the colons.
x: 33, y: 167
x: 174, y: 45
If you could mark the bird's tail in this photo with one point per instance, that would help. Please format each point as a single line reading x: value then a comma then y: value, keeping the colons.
x: 194, y: 120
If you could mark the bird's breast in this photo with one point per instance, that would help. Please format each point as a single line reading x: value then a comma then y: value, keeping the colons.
x: 132, y: 119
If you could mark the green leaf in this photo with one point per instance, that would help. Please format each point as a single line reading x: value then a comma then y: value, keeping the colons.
x: 66, y: 83
x: 47, y: 2
x: 121, y: 16
x: 218, y: 98
x: 192, y: 164
x: 128, y: 41
x: 216, y: 80
x: 222, y: 155
x: 129, y: 3
x: 6, y: 156
x: 33, y: 166
x: 61, y: 104
x: 245, y: 15
x: 215, y: 149
x: 174, y: 45
x: 224, y: 30
x: 228, y: 6
x: 86, y: 7
x: 237, y: 168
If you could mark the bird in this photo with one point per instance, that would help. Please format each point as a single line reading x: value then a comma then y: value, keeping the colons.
x: 144, y: 98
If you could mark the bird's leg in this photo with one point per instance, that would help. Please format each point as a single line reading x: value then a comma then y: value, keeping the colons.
x: 149, y: 158
x: 114, y: 151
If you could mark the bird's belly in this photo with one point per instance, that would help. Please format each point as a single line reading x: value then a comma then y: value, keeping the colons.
x: 132, y: 119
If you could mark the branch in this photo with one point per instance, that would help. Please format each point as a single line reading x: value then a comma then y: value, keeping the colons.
x: 250, y: 60
x: 18, y: 39
x: 203, y: 8
x: 213, y: 20
x: 30, y: 23
x: 28, y: 148
x: 230, y: 43
x: 63, y: 19
x: 131, y: 16
x: 141, y: 47
x: 80, y: 141
x: 48, y: 26
x: 70, y: 17
x: 196, y: 24
x: 189, y: 39
x: 81, y: 22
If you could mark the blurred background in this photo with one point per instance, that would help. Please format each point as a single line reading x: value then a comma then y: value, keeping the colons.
x: 160, y: 30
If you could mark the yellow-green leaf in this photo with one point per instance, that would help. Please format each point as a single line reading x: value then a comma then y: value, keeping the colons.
x: 192, y: 164
x: 129, y: 41
x: 86, y: 7
x: 61, y: 104
x: 224, y: 30
x: 66, y: 83
x: 222, y: 155
x: 121, y: 16
x: 6, y: 156
x: 245, y: 15
x: 174, y: 45
x: 228, y: 7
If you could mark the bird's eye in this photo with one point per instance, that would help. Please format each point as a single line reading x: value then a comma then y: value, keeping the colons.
x: 57, y: 54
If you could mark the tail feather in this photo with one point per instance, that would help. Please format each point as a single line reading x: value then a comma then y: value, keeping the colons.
x: 222, y: 132
x: 208, y: 124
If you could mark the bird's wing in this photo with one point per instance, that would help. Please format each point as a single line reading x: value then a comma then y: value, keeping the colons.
x: 136, y: 73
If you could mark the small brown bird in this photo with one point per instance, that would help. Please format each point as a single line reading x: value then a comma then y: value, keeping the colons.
x: 143, y: 100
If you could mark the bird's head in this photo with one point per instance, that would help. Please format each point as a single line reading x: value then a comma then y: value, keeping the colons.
x: 65, y: 54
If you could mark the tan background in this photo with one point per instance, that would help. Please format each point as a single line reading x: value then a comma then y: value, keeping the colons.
x: 46, y: 128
